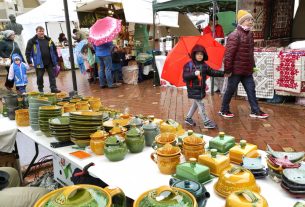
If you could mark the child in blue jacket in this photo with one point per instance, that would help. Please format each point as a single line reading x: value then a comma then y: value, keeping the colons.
x: 17, y: 73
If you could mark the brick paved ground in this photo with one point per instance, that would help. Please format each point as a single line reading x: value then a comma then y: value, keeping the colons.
x: 284, y: 128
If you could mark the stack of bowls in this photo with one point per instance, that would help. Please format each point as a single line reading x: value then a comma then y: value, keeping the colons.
x: 60, y: 128
x: 82, y: 124
x: 34, y: 104
x: 293, y: 181
x: 46, y: 113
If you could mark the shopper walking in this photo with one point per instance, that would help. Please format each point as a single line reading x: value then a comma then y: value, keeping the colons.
x: 103, y: 52
x: 42, y: 54
x: 195, y: 73
x: 239, y: 63
x: 8, y: 46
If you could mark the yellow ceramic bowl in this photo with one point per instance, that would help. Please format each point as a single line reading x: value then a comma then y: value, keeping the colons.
x: 235, y: 179
x: 22, y: 117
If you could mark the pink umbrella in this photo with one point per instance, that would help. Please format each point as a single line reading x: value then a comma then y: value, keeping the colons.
x: 104, y: 30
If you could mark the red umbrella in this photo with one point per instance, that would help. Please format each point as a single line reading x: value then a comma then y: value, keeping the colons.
x: 180, y: 55
x: 104, y: 30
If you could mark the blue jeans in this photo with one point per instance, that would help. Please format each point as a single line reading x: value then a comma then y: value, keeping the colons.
x: 249, y: 86
x: 117, y: 71
x: 106, y: 65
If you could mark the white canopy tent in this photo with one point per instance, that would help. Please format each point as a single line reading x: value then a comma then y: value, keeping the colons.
x: 51, y: 15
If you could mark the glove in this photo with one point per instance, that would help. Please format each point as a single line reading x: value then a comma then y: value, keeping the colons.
x: 256, y: 69
x: 197, y: 72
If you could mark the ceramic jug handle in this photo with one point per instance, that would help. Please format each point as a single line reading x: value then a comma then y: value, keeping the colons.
x: 68, y: 193
x: 116, y: 192
x: 236, y: 169
x: 153, y: 156
x: 247, y: 194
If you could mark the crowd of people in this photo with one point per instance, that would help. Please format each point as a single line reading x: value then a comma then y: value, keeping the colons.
x: 41, y: 53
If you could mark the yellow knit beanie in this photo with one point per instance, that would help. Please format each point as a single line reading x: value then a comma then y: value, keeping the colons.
x: 242, y: 15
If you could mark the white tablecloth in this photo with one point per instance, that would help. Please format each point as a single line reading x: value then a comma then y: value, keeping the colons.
x: 8, y: 131
x: 137, y: 173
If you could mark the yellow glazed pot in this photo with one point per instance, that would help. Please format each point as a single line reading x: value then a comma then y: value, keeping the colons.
x: 82, y: 195
x: 69, y: 107
x: 192, y: 146
x: 95, y: 104
x: 164, y: 138
x: 97, y: 141
x: 22, y: 117
x: 82, y: 106
x: 167, y: 158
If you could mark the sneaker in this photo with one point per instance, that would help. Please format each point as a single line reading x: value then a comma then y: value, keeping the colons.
x: 260, y: 115
x: 55, y: 91
x: 190, y: 122
x: 209, y: 125
x: 226, y: 114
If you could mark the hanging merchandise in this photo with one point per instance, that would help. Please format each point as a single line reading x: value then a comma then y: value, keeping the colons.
x: 141, y: 38
x: 168, y: 43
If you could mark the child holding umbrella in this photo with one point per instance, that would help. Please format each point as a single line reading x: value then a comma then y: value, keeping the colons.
x: 195, y: 73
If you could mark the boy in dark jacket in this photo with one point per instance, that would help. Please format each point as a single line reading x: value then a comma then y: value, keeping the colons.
x: 195, y: 73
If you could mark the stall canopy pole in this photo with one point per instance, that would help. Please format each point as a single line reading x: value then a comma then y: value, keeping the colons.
x: 214, y: 34
x: 156, y: 81
x: 70, y: 45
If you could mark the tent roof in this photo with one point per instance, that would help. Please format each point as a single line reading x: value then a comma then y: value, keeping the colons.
x: 50, y: 11
x: 194, y: 5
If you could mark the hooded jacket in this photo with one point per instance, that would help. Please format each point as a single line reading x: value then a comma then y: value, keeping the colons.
x: 8, y: 46
x: 18, y: 72
x: 195, y: 86
x: 33, y: 52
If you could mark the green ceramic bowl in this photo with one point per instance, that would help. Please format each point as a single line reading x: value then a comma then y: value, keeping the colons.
x: 81, y: 142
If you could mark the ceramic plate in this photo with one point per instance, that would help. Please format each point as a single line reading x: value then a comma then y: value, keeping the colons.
x: 59, y: 121
x: 47, y: 108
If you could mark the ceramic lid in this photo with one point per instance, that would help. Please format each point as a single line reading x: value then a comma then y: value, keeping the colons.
x: 224, y: 137
x: 252, y: 163
x: 235, y: 178
x: 150, y: 125
x: 136, y: 120
x: 99, y: 134
x: 166, y: 196
x: 245, y: 198
x: 117, y: 129
x: 113, y: 141
x: 192, y: 139
x: 76, y: 196
x: 193, y: 171
x: 134, y: 131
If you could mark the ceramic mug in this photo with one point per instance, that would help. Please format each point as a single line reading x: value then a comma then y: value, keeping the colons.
x: 167, y: 158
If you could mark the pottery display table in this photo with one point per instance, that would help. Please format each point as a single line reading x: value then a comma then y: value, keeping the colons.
x: 137, y: 173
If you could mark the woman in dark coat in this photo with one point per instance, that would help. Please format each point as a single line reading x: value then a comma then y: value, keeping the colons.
x: 7, y: 47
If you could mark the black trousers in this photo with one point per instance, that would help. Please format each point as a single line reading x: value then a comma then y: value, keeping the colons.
x: 52, y: 79
x: 8, y: 83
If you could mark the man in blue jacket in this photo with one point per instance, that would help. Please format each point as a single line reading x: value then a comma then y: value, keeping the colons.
x: 103, y: 52
x: 42, y: 54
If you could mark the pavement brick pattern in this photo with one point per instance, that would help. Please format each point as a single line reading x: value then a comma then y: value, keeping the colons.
x: 285, y: 128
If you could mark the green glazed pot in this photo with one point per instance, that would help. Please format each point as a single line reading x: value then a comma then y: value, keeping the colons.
x: 151, y: 130
x: 172, y: 197
x: 83, y: 196
x: 135, y: 140
x: 115, y: 148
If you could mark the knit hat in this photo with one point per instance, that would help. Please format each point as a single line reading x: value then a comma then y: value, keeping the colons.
x: 242, y: 15
x: 8, y: 33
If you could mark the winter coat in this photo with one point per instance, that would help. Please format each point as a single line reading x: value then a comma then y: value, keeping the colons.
x: 196, y: 87
x: 18, y: 72
x: 6, y: 48
x: 239, y: 54
x: 33, y: 53
x: 103, y: 50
